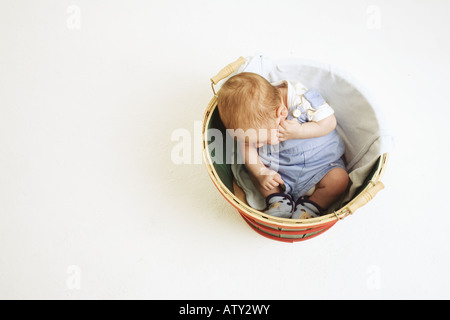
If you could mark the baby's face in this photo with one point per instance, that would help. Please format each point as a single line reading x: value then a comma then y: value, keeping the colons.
x: 258, y: 137
x: 270, y: 135
x: 267, y: 134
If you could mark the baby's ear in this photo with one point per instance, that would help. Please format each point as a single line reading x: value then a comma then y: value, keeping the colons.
x: 282, y: 111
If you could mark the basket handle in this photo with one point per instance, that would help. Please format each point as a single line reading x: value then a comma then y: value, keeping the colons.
x: 365, y: 197
x: 226, y: 71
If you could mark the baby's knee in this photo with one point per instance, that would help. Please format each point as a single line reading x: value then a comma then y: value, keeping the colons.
x: 341, y: 179
x: 337, y: 179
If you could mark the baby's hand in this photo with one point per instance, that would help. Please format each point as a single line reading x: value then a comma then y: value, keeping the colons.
x: 269, y: 179
x: 289, y: 129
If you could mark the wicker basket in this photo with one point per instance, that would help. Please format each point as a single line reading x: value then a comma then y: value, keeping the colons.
x: 281, y: 229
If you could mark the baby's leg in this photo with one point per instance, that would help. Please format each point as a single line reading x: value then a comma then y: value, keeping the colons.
x: 330, y: 188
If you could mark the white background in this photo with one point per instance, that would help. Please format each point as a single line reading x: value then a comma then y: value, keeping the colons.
x: 92, y: 206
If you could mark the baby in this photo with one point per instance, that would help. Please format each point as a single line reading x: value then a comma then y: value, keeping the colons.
x: 288, y: 138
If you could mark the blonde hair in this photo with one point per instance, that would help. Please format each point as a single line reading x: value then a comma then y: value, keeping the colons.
x: 248, y: 101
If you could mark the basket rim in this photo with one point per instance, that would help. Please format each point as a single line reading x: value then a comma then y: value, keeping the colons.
x: 260, y: 216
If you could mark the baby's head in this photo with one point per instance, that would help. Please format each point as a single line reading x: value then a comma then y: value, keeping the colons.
x: 252, y: 107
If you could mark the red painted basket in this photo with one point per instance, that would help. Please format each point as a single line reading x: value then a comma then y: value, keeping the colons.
x: 280, y: 229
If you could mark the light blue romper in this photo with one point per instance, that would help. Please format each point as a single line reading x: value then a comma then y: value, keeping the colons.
x: 302, y: 163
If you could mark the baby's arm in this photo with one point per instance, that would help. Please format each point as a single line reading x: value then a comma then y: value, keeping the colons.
x: 264, y: 179
x: 292, y: 129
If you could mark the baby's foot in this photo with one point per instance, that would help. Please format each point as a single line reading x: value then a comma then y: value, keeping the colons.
x: 306, y: 209
x: 279, y: 205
